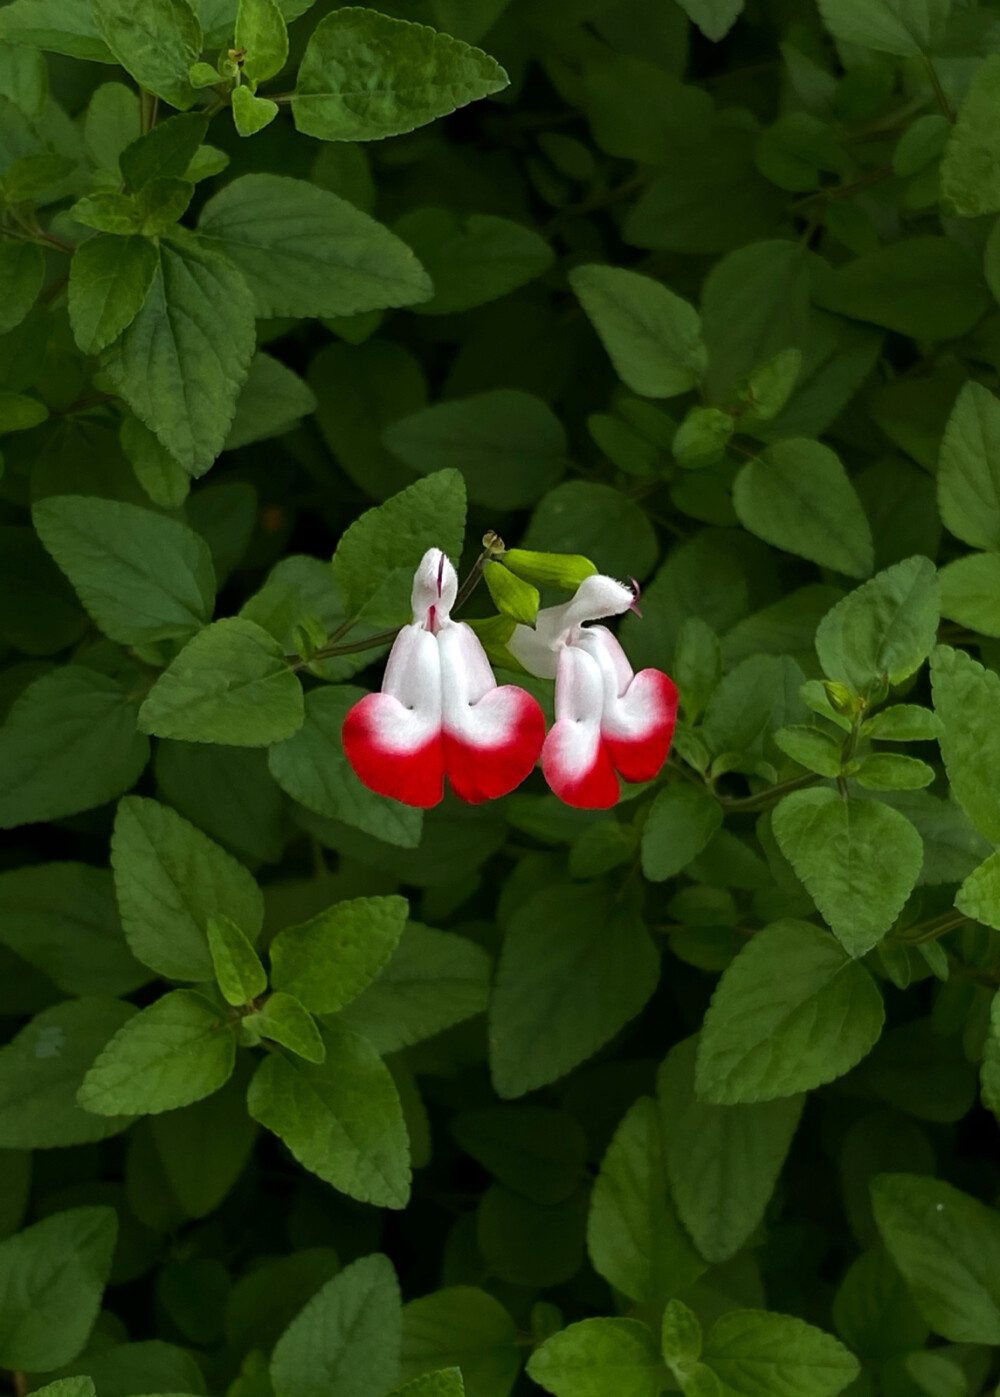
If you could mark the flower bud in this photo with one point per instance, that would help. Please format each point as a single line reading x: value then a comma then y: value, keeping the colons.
x: 511, y: 594
x: 563, y: 570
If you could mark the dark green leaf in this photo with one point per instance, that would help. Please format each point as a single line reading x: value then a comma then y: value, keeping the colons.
x: 156, y: 43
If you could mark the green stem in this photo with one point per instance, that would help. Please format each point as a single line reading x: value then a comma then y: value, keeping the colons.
x: 942, y: 97
x: 764, y: 799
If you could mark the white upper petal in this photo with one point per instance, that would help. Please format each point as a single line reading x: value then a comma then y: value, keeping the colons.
x: 413, y: 675
x: 435, y: 584
x: 557, y: 626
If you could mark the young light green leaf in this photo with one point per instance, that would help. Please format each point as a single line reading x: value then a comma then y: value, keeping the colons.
x: 262, y: 34
x: 171, y: 879
x: 238, y: 970
x: 69, y: 744
x: 251, y: 114
x: 346, y: 1338
x: 109, y: 280
x: 365, y: 76
x: 754, y: 1352
x: 22, y: 271
x: 341, y: 1120
x: 722, y: 1161
x: 141, y: 576
x: 979, y: 895
x: 969, y: 470
x: 890, y: 771
x: 903, y: 722
x: 384, y: 545
x: 859, y: 860
x: 947, y: 1245
x: 175, y: 1052
x: 509, y: 445
x: 634, y: 1237
x: 597, y: 1357
x: 798, y: 497
x: 156, y: 43
x: 970, y: 183
x: 681, y: 822
x: 812, y: 748
x: 328, y: 961
x: 432, y: 981
x: 41, y: 1069
x: 791, y: 1012
x: 652, y: 336
x: 574, y: 969
x: 967, y: 700
x: 304, y: 251
x: 62, y: 918
x: 883, y: 630
x: 52, y: 1277
x: 471, y: 258
x: 230, y: 684
x: 182, y: 360
x: 283, y: 1019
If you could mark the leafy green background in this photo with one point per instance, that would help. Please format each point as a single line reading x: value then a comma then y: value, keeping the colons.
x: 304, y: 1093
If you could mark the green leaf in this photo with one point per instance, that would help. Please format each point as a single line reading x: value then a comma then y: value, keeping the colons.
x: 969, y: 180
x: 680, y: 1338
x: 930, y: 287
x: 702, y: 437
x: 312, y: 768
x: 722, y: 1161
x: 575, y: 967
x: 755, y: 1352
x: 979, y: 895
x: 238, y: 971
x: 272, y: 401
x: 465, y: 1327
x: 171, y: 880
x: 163, y: 152
x: 62, y: 918
x: 791, y: 1012
x: 52, y: 1277
x: 812, y: 748
x: 680, y: 824
x: 597, y: 521
x: 109, y: 280
x: 872, y: 1310
x: 203, y: 1148
x: 164, y: 480
x: 304, y: 251
x: 970, y: 592
x: 61, y: 26
x: 41, y: 1069
x: 471, y: 258
x: 69, y: 744
x: 888, y: 771
x: 967, y: 700
x: 328, y: 961
x: 365, y: 76
x: 989, y: 1072
x: 22, y: 271
x: 714, y: 18
x: 19, y: 413
x: 652, y: 336
x: 509, y: 445
x: 903, y: 722
x: 283, y: 1020
x: 347, y: 1337
x: 341, y: 1120
x: 859, y: 860
x: 947, y: 1245
x: 903, y: 27
x: 156, y: 43
x: 758, y: 696
x: 141, y: 576
x: 167, y: 1056
x: 182, y: 360
x: 432, y: 981
x: 597, y: 1357
x: 262, y: 33
x: 798, y: 497
x: 634, y: 1237
x: 251, y: 114
x: 230, y: 684
x: 510, y: 594
x: 445, y: 1383
x: 535, y: 1151
x: 384, y: 545
x: 883, y: 630
x: 969, y: 473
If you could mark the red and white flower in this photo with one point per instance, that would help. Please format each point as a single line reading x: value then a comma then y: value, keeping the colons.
x: 610, y: 722
x: 441, y: 712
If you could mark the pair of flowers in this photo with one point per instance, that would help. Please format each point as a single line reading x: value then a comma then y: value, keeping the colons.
x: 441, y: 713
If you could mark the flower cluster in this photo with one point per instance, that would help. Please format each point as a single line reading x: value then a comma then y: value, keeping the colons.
x: 441, y: 713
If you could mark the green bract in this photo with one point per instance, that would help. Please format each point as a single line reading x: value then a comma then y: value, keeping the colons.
x: 309, y: 1092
